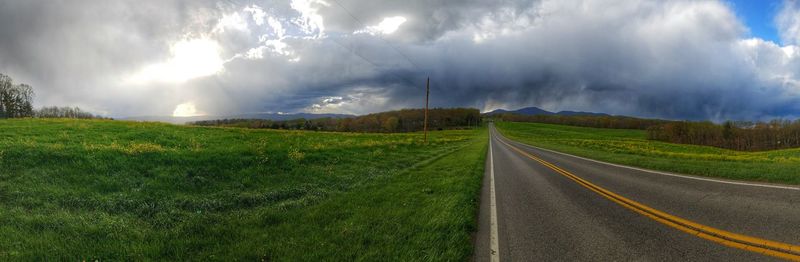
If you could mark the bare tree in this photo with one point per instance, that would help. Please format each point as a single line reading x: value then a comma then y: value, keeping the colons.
x: 5, y: 85
x: 15, y: 100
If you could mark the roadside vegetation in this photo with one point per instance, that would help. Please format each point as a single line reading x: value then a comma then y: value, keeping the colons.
x: 632, y: 147
x: 614, y: 122
x: 742, y: 135
x: 736, y: 135
x: 113, y: 190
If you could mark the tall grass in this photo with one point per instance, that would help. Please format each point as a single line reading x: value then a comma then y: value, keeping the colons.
x: 111, y: 190
x: 631, y: 147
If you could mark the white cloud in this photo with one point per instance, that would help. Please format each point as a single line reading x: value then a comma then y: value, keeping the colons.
x: 272, y: 34
x: 386, y: 27
x: 257, y: 14
x: 791, y: 51
x: 772, y: 63
x: 356, y: 103
x: 310, y: 21
x: 276, y: 46
x: 278, y: 30
x: 788, y: 22
x: 231, y: 21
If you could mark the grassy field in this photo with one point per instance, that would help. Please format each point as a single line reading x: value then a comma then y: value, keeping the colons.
x: 111, y: 190
x: 630, y: 147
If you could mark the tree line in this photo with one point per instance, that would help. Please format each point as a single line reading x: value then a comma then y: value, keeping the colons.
x: 65, y: 112
x: 738, y: 135
x: 15, y: 100
x: 406, y: 120
x: 735, y: 135
x: 616, y: 122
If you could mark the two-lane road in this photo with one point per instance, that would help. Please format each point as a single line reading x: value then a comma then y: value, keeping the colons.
x: 552, y: 206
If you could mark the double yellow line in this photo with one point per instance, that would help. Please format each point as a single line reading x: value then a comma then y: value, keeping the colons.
x: 754, y: 244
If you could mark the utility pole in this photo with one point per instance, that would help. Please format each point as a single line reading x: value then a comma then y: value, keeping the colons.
x: 427, y: 95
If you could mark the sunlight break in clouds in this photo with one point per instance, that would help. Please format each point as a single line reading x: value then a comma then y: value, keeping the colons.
x: 388, y: 26
x: 190, y: 59
x: 187, y: 109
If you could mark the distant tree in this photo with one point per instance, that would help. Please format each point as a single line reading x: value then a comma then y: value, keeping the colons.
x: 5, y: 85
x: 63, y: 112
x: 391, y: 123
x: 619, y: 122
x: 727, y: 132
x: 745, y: 136
x: 739, y: 135
x: 15, y: 100
x: 24, y: 100
x: 406, y: 120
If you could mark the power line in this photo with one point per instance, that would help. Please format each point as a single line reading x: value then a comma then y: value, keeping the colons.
x: 408, y: 81
x: 428, y: 83
x: 380, y: 37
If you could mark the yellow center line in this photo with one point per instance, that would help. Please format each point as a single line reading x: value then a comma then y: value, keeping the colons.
x: 749, y: 243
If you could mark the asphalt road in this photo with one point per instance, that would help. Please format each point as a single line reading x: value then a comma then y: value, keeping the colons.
x: 544, y: 215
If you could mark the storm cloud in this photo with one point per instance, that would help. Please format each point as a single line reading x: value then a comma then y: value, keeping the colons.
x: 670, y: 59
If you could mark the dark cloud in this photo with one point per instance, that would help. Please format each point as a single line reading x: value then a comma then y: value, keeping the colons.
x: 427, y: 20
x: 673, y: 59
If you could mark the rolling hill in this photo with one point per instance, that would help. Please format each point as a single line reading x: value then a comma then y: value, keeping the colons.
x: 531, y: 111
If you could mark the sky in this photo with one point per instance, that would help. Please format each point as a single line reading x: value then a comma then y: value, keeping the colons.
x: 679, y: 59
x: 758, y: 16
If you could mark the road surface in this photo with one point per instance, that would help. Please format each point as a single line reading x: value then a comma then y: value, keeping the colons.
x: 554, y: 207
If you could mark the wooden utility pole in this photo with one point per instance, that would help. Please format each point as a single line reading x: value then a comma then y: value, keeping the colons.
x: 427, y: 95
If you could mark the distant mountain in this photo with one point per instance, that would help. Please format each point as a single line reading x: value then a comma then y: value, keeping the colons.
x: 580, y: 113
x: 532, y: 111
x: 265, y: 116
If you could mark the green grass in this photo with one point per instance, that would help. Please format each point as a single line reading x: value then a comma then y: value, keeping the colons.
x: 111, y: 190
x: 631, y: 147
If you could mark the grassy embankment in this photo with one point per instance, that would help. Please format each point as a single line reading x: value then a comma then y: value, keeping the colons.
x: 631, y: 147
x: 110, y: 190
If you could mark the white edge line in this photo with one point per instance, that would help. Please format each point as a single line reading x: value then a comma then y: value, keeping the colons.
x: 658, y: 172
x: 493, y: 241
